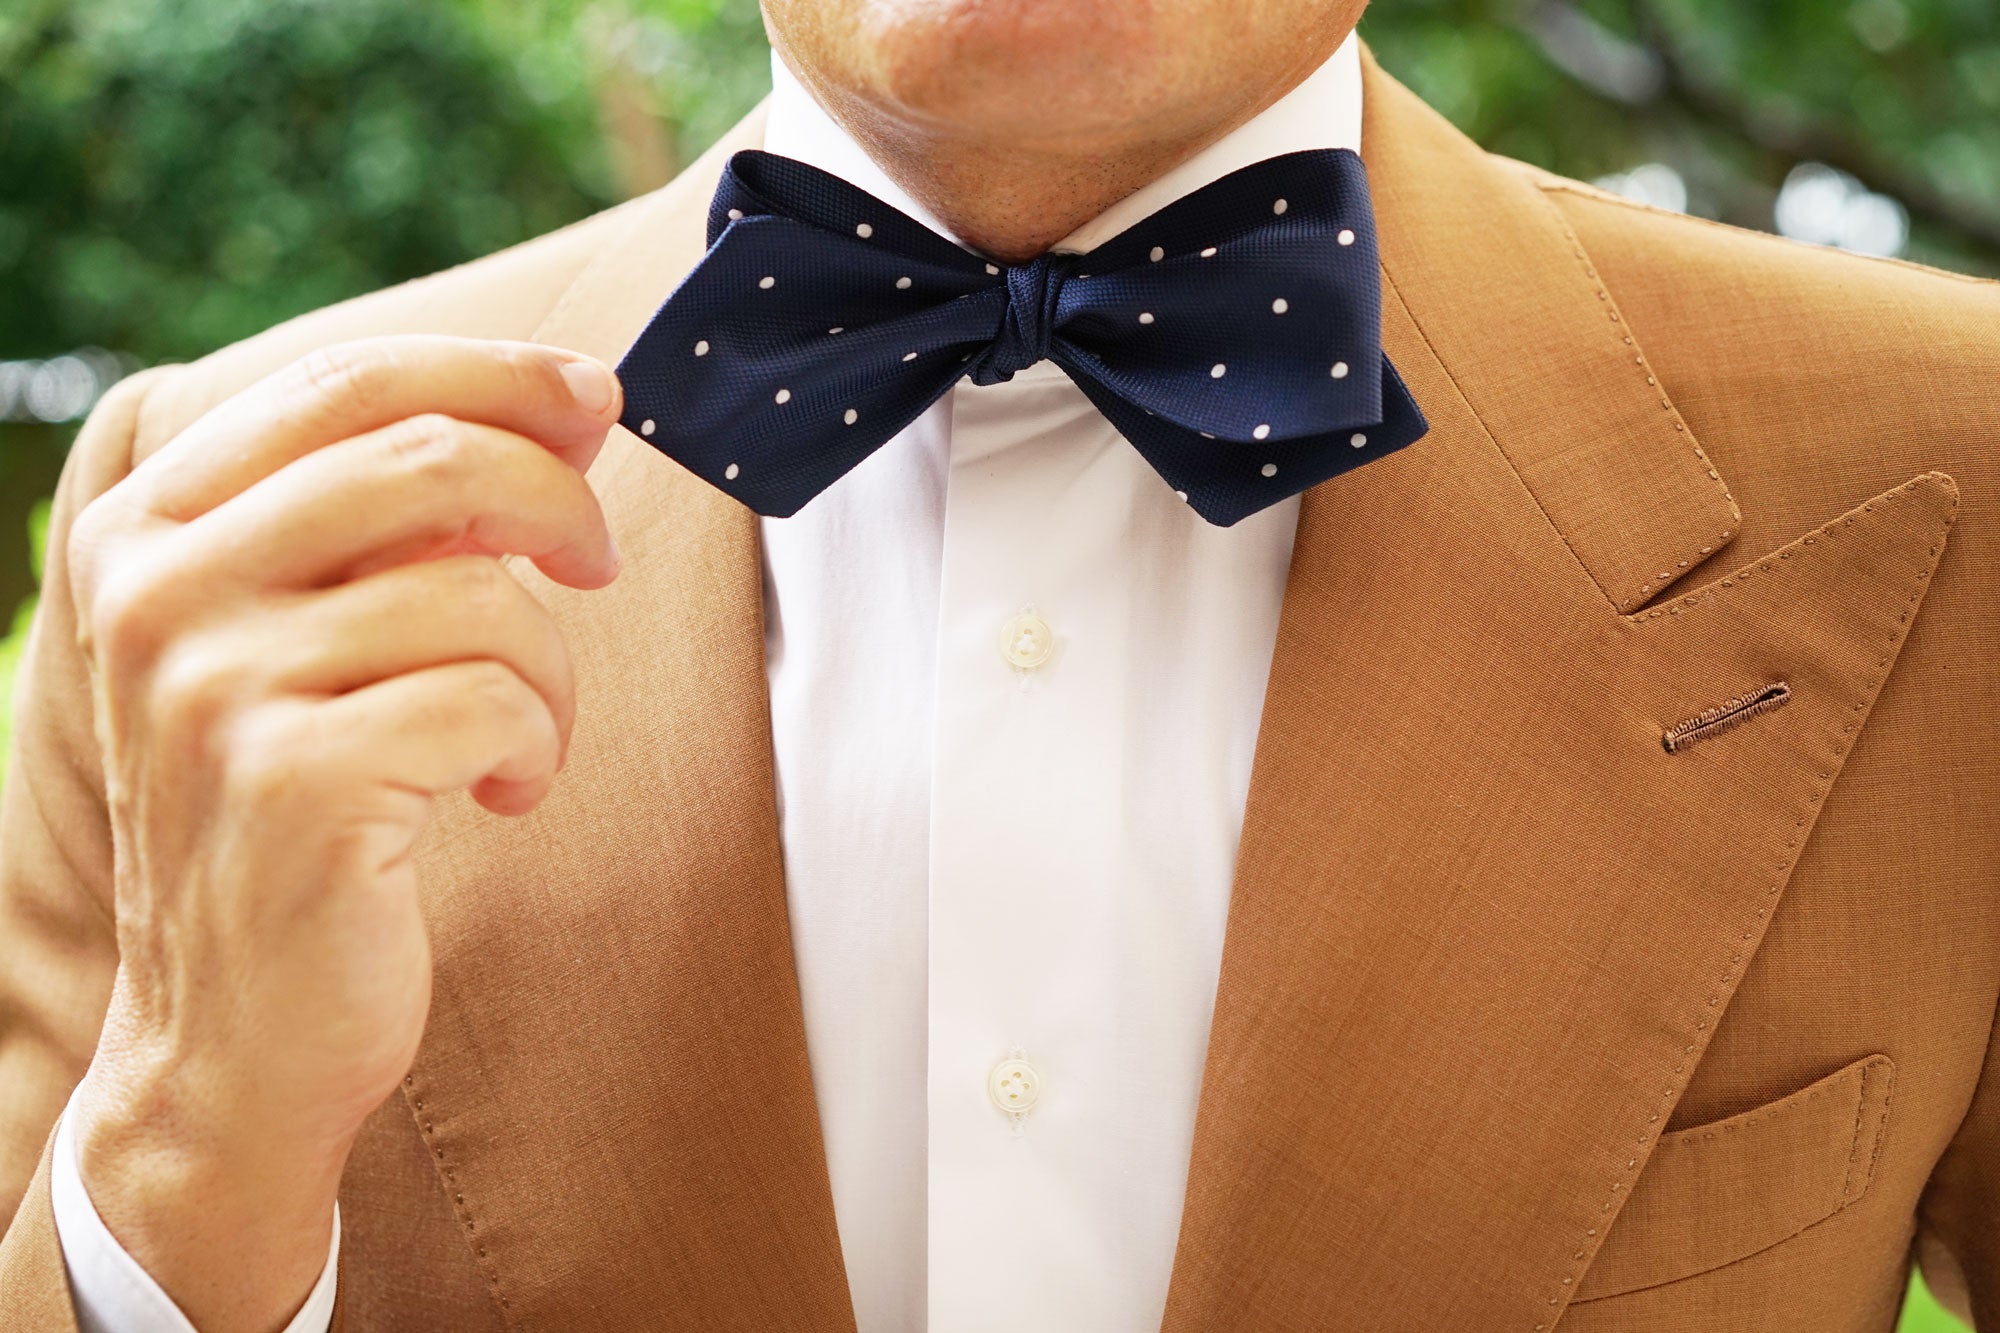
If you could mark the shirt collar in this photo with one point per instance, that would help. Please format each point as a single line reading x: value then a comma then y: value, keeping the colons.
x: 1323, y: 111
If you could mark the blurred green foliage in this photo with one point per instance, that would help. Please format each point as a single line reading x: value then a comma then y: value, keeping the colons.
x: 1922, y: 1313
x: 17, y: 629
x: 1904, y: 94
x: 178, y: 174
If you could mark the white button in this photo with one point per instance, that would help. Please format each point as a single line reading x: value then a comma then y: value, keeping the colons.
x: 1014, y: 1086
x: 1026, y: 641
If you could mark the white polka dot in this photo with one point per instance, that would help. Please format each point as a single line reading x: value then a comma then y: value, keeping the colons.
x: 850, y: 416
x: 1206, y: 436
x: 1280, y: 306
x: 993, y: 270
x: 647, y: 427
x: 909, y: 356
x: 1357, y: 439
x: 1208, y: 253
x: 767, y: 282
x: 783, y: 396
x: 1279, y: 206
x: 1261, y: 433
x: 863, y: 230
x: 732, y: 472
x: 1156, y: 254
x: 1180, y: 495
x: 838, y: 328
x: 902, y: 284
x: 1339, y: 370
x: 1145, y: 317
x: 1217, y: 371
x: 1346, y: 237
x: 735, y: 215
x: 1269, y: 469
x: 701, y: 347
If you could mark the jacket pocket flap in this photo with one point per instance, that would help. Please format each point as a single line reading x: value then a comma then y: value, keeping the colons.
x: 1716, y: 1193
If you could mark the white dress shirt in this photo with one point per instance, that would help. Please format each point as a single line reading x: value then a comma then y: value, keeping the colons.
x: 1015, y: 686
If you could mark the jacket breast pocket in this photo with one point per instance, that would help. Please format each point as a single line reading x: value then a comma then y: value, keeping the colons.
x: 1716, y: 1193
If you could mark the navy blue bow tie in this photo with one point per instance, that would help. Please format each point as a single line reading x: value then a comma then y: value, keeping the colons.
x: 1234, y: 337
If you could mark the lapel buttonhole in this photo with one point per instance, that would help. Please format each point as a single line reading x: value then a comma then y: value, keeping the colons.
x: 1710, y: 722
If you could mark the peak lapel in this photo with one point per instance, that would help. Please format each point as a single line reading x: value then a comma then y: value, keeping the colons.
x: 614, y: 1083
x: 1484, y: 923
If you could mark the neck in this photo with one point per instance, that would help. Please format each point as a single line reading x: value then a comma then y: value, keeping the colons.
x: 1014, y: 196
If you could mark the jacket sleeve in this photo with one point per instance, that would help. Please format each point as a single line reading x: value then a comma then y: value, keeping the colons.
x: 58, y: 950
x: 1958, y: 1222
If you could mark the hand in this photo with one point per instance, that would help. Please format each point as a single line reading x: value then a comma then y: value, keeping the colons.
x: 299, y: 635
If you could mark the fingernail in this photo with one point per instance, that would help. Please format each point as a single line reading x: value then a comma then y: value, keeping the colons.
x: 590, y: 384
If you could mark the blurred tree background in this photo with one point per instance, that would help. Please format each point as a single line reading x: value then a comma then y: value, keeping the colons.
x: 177, y: 174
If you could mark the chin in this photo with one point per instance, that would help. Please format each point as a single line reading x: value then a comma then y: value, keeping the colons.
x: 1028, y: 69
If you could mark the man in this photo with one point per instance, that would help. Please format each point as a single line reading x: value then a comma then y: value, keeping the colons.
x: 1610, y: 927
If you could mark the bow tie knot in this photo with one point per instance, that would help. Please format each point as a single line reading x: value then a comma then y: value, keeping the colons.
x: 1030, y: 319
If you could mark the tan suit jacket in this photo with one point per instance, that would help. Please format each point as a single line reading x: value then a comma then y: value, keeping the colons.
x: 1522, y: 1018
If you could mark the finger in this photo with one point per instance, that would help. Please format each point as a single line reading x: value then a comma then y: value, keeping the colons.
x: 420, y: 488
x: 462, y: 608
x: 563, y: 400
x: 471, y: 725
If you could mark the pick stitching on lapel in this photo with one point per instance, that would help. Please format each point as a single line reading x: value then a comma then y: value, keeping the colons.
x: 1483, y: 922
x: 1561, y: 380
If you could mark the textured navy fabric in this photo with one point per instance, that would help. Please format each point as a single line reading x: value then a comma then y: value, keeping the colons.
x: 1234, y: 337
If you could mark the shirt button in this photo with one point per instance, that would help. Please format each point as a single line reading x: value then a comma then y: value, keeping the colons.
x: 1014, y: 1086
x: 1026, y: 641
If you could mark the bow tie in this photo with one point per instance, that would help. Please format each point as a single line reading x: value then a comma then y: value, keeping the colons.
x: 1234, y: 337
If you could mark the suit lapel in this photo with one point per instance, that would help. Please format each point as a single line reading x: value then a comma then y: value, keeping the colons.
x: 1484, y: 923
x: 614, y: 1083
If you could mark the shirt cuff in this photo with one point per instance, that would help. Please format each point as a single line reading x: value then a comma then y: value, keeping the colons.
x: 112, y: 1293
